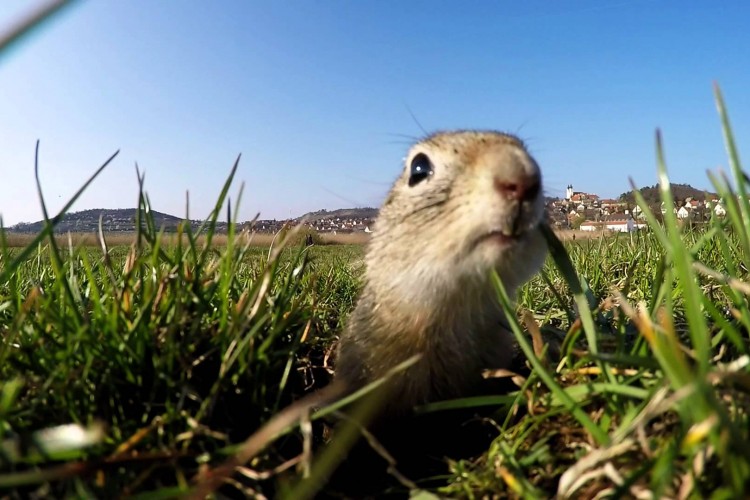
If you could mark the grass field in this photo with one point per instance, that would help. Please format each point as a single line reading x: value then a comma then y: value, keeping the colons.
x: 139, y: 369
x: 22, y: 240
x: 147, y: 366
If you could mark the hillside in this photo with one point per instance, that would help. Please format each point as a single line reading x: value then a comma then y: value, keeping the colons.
x: 680, y: 192
x: 123, y: 220
x: 86, y: 221
x: 342, y: 213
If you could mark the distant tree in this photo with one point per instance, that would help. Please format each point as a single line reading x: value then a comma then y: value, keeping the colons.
x: 651, y: 194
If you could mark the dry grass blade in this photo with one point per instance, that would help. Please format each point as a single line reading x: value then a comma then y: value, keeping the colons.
x: 590, y: 467
x: 33, y: 21
x: 733, y: 283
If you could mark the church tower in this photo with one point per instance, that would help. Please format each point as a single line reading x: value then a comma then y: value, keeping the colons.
x: 569, y: 192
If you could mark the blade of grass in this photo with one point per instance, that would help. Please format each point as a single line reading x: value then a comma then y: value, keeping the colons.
x: 597, y: 433
x: 45, y: 233
x: 34, y: 21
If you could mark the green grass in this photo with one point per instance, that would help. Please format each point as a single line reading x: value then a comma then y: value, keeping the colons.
x: 142, y: 370
x: 179, y: 352
x: 166, y: 358
x: 654, y: 399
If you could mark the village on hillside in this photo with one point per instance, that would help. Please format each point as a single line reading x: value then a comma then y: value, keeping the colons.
x: 588, y: 212
x: 342, y: 221
x: 333, y: 225
x: 578, y: 210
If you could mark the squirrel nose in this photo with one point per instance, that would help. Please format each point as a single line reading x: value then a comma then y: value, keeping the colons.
x: 521, y: 189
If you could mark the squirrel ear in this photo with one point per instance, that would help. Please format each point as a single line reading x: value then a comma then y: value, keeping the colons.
x: 420, y: 169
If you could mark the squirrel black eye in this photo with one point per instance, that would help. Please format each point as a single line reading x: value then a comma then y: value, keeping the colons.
x: 421, y: 168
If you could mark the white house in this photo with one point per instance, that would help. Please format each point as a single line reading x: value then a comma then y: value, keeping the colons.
x: 627, y: 226
x: 683, y: 213
x: 664, y: 208
x: 623, y: 223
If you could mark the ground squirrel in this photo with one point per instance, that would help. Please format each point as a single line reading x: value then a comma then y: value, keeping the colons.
x: 467, y: 202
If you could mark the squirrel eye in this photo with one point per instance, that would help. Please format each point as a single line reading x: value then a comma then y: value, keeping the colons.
x: 421, y: 168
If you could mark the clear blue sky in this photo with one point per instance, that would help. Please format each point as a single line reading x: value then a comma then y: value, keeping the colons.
x: 316, y: 95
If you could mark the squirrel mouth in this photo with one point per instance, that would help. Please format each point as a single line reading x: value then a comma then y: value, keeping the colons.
x: 505, y: 238
x: 508, y: 233
x: 499, y: 237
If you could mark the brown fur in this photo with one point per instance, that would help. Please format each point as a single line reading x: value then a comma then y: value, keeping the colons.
x: 427, y: 284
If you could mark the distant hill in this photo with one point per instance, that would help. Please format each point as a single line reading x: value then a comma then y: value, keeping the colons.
x: 342, y: 213
x: 123, y: 220
x: 679, y: 191
x: 87, y: 221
